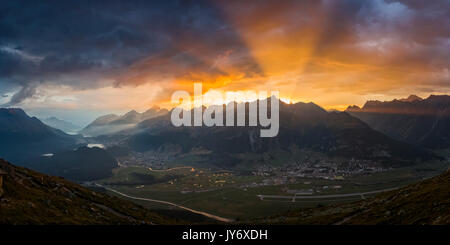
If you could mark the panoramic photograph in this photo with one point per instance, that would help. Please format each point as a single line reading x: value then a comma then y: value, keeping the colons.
x: 213, y: 115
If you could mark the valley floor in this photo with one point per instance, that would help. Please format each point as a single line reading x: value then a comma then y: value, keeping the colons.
x: 232, y: 195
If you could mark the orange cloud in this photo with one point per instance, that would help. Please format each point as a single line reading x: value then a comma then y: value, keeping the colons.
x: 320, y: 51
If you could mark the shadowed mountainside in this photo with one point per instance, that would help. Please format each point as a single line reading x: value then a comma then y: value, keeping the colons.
x: 23, y: 137
x: 29, y: 197
x: 302, y: 126
x: 423, y: 122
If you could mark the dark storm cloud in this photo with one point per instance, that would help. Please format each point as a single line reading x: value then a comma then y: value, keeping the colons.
x: 27, y: 91
x: 76, y: 43
x: 422, y: 22
x: 84, y: 43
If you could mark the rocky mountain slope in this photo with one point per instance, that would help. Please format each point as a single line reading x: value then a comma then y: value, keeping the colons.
x: 302, y: 126
x: 29, y: 197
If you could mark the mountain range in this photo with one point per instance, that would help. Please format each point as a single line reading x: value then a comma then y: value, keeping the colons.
x: 112, y: 123
x: 302, y: 126
x: 23, y: 137
x: 393, y: 133
x: 422, y: 122
x: 30, y: 143
x: 63, y: 125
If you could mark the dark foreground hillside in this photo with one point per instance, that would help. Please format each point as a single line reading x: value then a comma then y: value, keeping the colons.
x: 28, y: 197
x: 423, y: 203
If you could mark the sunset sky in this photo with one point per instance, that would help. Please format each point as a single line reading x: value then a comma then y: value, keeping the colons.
x: 78, y: 60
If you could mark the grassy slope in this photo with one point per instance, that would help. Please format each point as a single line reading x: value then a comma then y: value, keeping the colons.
x: 426, y: 202
x: 33, y: 198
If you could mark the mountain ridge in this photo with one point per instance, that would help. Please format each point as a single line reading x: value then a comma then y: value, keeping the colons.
x: 305, y: 125
x: 60, y: 124
x: 23, y: 137
x: 422, y: 122
x: 112, y: 123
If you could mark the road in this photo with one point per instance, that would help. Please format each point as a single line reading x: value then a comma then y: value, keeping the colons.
x: 166, y: 170
x: 326, y: 196
x: 169, y: 203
